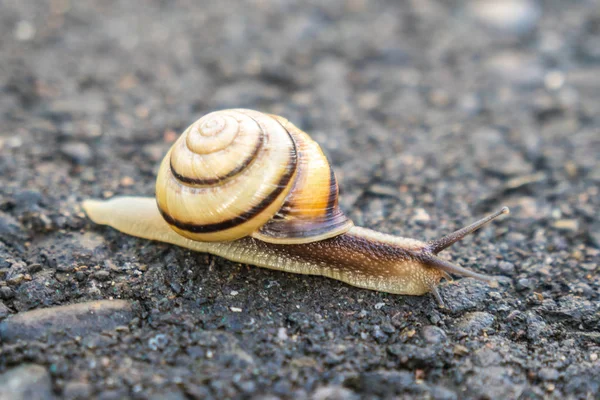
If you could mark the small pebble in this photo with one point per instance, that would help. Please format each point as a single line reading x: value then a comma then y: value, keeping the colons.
x: 486, y: 356
x: 548, y: 374
x: 433, y: 335
x: 158, y: 342
x: 460, y: 350
x: 6, y: 293
x: 474, y: 323
x: 4, y: 311
x: 126, y: 181
x: 508, y: 16
x: 29, y: 200
x: 79, y: 153
x: 379, y: 335
x: 77, y: 391
x: 536, y: 326
x: 78, y: 319
x: 24, y: 31
x: 10, y: 228
x: 566, y: 225
x: 506, y: 267
x: 442, y: 393
x: 333, y: 392
x: 33, y: 268
x: 282, y: 334
x: 102, y: 275
x: 421, y: 215
x: 516, y: 68
x: 26, y: 382
x: 524, y: 284
x: 554, y: 80
x: 15, y: 280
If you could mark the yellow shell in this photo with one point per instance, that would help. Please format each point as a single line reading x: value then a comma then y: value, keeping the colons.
x: 236, y: 173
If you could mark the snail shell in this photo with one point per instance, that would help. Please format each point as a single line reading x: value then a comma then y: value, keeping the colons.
x: 237, y: 173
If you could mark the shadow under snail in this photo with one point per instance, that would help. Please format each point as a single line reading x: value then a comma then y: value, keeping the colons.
x: 253, y: 188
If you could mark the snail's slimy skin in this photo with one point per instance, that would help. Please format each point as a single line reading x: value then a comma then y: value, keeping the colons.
x: 360, y: 257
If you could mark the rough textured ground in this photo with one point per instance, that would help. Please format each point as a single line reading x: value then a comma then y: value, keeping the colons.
x: 432, y: 112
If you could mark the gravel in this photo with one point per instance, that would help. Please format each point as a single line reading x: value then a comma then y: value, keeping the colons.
x: 433, y: 113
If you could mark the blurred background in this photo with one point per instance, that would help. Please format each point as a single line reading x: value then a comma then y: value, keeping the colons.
x: 432, y: 113
x: 409, y: 91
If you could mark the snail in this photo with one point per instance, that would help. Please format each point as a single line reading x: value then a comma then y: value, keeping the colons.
x: 255, y: 189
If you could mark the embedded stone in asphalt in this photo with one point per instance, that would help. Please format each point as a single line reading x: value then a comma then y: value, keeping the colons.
x: 66, y: 321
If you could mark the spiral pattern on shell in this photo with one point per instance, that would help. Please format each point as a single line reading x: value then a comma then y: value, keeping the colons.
x: 235, y: 173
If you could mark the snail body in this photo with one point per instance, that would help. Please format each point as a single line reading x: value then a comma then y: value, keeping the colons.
x: 255, y: 189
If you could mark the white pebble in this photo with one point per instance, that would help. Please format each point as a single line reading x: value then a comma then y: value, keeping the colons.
x: 554, y: 80
x: 421, y: 215
x: 282, y: 334
x: 24, y: 31
x: 517, y: 16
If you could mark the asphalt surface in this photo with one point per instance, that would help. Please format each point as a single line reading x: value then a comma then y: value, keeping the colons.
x: 433, y: 113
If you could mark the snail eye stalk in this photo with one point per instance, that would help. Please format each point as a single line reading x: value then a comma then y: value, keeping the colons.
x: 443, y: 243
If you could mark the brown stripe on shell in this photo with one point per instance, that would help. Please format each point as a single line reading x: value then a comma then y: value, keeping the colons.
x: 292, y: 227
x: 333, y: 194
x: 213, y: 181
x: 235, y: 221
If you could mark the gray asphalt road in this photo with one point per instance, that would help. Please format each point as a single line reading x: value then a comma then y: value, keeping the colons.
x: 433, y: 113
